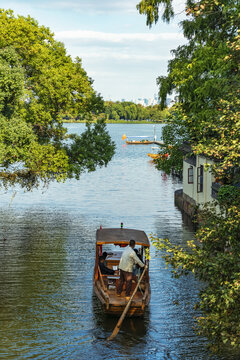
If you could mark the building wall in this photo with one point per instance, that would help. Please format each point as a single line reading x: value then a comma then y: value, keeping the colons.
x: 190, y: 190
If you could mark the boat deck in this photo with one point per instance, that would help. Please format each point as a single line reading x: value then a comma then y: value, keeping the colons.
x: 121, y: 300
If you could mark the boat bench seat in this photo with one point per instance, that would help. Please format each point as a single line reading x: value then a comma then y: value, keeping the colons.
x: 111, y: 263
x: 111, y: 281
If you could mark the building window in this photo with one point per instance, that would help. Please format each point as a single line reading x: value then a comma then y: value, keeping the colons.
x: 200, y: 179
x: 190, y: 175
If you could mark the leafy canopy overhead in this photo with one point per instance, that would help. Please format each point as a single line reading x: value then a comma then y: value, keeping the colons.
x: 39, y: 85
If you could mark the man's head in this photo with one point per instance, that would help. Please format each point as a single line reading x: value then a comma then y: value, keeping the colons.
x: 132, y: 243
x: 101, y: 259
x: 104, y: 255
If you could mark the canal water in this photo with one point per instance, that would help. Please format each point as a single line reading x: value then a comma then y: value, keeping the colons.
x: 47, y: 252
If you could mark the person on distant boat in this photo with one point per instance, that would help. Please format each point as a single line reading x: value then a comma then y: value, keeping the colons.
x: 127, y: 261
x: 104, y: 269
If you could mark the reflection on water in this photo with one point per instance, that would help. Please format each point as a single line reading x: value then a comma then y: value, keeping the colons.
x: 47, y: 252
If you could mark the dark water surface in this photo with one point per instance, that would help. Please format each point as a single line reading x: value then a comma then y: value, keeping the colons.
x: 47, y: 306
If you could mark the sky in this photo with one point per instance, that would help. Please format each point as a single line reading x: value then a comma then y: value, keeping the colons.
x: 119, y: 52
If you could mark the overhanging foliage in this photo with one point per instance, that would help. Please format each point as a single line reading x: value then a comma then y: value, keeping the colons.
x: 39, y: 85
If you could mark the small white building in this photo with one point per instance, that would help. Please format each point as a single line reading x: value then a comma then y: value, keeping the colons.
x: 197, y: 181
x: 199, y: 185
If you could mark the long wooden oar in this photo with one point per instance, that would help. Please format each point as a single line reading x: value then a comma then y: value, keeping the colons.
x: 117, y: 327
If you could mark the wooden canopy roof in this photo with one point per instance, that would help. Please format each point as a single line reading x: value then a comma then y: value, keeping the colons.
x: 121, y: 236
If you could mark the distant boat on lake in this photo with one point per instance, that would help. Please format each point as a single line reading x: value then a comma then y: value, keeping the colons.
x: 136, y: 140
x: 140, y: 140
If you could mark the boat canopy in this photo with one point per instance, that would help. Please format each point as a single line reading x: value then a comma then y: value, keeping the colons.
x: 120, y: 236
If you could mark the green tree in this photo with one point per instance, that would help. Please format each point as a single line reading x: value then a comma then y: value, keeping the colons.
x: 130, y: 111
x: 213, y: 257
x: 115, y: 115
x: 40, y: 84
x: 11, y: 81
x: 174, y: 133
x: 205, y: 75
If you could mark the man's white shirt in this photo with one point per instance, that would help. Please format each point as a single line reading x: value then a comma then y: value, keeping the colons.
x: 128, y: 259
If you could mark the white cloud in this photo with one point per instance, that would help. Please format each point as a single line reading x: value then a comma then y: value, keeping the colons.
x: 87, y: 6
x: 99, y: 5
x: 121, y: 56
x: 83, y: 6
x: 88, y: 35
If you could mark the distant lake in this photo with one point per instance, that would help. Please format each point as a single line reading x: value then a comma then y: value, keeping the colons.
x: 47, y: 306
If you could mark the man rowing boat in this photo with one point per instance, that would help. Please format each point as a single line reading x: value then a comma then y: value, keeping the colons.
x: 128, y: 259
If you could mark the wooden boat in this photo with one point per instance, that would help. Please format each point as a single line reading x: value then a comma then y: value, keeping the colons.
x: 139, y: 142
x: 105, y: 285
x: 158, y: 156
x: 154, y: 156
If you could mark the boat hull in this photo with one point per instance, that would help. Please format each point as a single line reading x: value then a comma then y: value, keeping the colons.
x: 118, y: 310
x: 139, y: 142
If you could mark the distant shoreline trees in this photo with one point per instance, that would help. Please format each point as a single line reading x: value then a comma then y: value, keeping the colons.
x: 128, y: 111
